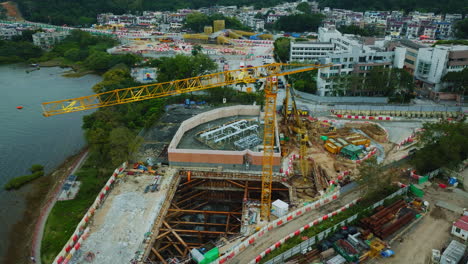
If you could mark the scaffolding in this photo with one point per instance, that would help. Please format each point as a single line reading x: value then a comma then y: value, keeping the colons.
x: 229, y: 131
x: 247, y: 142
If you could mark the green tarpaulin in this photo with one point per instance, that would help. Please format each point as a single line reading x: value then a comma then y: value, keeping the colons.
x: 416, y: 191
x: 210, y: 256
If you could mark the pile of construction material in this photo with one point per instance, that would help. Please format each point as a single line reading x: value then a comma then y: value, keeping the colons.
x: 389, y: 219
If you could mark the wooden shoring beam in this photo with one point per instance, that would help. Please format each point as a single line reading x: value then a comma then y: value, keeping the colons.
x: 188, y: 182
x: 169, y: 215
x: 176, y: 235
x: 158, y: 255
x: 163, y: 235
x: 203, y: 212
x: 190, y: 186
x: 236, y: 183
x: 193, y: 244
x: 233, y: 228
x: 191, y: 197
x: 182, y: 253
x: 194, y: 223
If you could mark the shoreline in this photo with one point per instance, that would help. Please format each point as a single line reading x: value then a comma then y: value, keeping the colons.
x: 75, y: 71
x: 41, y: 190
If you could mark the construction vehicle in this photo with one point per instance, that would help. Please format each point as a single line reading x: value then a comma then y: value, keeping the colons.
x: 269, y: 72
x: 292, y: 116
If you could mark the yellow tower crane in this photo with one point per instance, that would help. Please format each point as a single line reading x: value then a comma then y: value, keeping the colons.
x: 269, y: 72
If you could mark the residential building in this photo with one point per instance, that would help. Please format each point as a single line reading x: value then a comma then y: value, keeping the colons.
x: 434, y: 62
x: 309, y: 50
x: 348, y: 54
x: 443, y: 29
x: 46, y: 40
x: 272, y: 18
x: 453, y: 17
x: 8, y: 33
x: 410, y: 54
x: 460, y: 228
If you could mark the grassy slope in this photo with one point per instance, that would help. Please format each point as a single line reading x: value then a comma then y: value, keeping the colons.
x: 65, y: 215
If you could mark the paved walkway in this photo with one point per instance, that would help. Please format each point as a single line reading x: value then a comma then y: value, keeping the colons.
x: 268, y: 240
x: 40, y: 225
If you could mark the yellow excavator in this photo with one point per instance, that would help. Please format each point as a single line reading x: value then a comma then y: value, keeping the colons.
x: 268, y: 72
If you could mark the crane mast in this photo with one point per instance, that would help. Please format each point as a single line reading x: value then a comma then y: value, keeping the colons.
x: 270, y: 72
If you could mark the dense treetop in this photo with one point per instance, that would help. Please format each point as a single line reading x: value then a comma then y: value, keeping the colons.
x: 83, y: 12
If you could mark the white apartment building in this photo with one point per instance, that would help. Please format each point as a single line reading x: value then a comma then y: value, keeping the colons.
x: 46, y: 40
x: 8, y: 33
x: 309, y: 50
x: 434, y: 62
x: 348, y: 54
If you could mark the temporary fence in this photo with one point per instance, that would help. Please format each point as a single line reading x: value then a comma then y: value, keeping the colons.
x: 236, y: 250
x: 425, y: 178
x: 410, y: 138
x: 282, y: 258
x: 379, y: 118
x: 82, y: 230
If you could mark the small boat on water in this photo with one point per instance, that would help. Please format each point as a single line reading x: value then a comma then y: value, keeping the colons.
x: 34, y: 65
x: 19, y: 107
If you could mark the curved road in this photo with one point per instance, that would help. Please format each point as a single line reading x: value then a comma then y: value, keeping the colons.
x: 40, y: 225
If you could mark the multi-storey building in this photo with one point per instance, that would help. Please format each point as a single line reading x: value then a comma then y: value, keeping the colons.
x: 8, y: 33
x: 310, y: 51
x: 348, y: 54
x: 409, y: 52
x: 434, y: 62
x: 46, y: 40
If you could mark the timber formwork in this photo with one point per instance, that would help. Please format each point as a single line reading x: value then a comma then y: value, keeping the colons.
x: 207, y: 207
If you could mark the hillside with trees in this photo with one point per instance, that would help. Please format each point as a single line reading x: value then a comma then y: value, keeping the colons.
x: 83, y: 12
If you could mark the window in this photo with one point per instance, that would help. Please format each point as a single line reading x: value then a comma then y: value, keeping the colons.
x: 409, y: 61
x: 351, y: 59
x: 369, y: 67
x: 350, y: 66
x: 362, y: 59
x: 362, y: 68
x: 335, y: 60
x: 412, y: 54
x: 335, y: 68
x: 345, y: 59
x: 343, y: 66
x: 457, y: 230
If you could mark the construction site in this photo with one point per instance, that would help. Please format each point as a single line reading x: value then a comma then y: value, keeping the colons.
x: 206, y: 179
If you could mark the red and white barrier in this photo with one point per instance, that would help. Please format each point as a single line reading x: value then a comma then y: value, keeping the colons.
x: 379, y: 118
x: 82, y: 230
x: 300, y: 230
x: 281, y: 221
x: 369, y: 155
x: 410, y: 139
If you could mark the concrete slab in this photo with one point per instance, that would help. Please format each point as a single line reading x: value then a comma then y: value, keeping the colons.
x: 449, y: 206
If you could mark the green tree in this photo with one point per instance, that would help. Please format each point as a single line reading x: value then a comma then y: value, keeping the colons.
x: 461, y: 29
x: 442, y: 144
x: 98, y: 61
x: 458, y: 81
x: 123, y: 144
x: 373, y: 178
x: 73, y: 54
x: 182, y: 66
x: 304, y: 7
x: 281, y: 49
x: 196, y: 49
x: 299, y: 22
x: 196, y: 21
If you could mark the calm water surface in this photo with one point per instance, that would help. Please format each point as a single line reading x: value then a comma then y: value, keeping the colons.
x: 26, y: 137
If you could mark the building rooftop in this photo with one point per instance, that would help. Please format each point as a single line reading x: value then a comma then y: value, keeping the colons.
x: 462, y: 223
x: 411, y: 44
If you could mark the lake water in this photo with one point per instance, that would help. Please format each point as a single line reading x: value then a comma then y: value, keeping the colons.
x: 27, y: 137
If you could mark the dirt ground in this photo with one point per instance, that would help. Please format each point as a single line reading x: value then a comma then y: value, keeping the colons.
x: 432, y: 232
x: 12, y: 10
